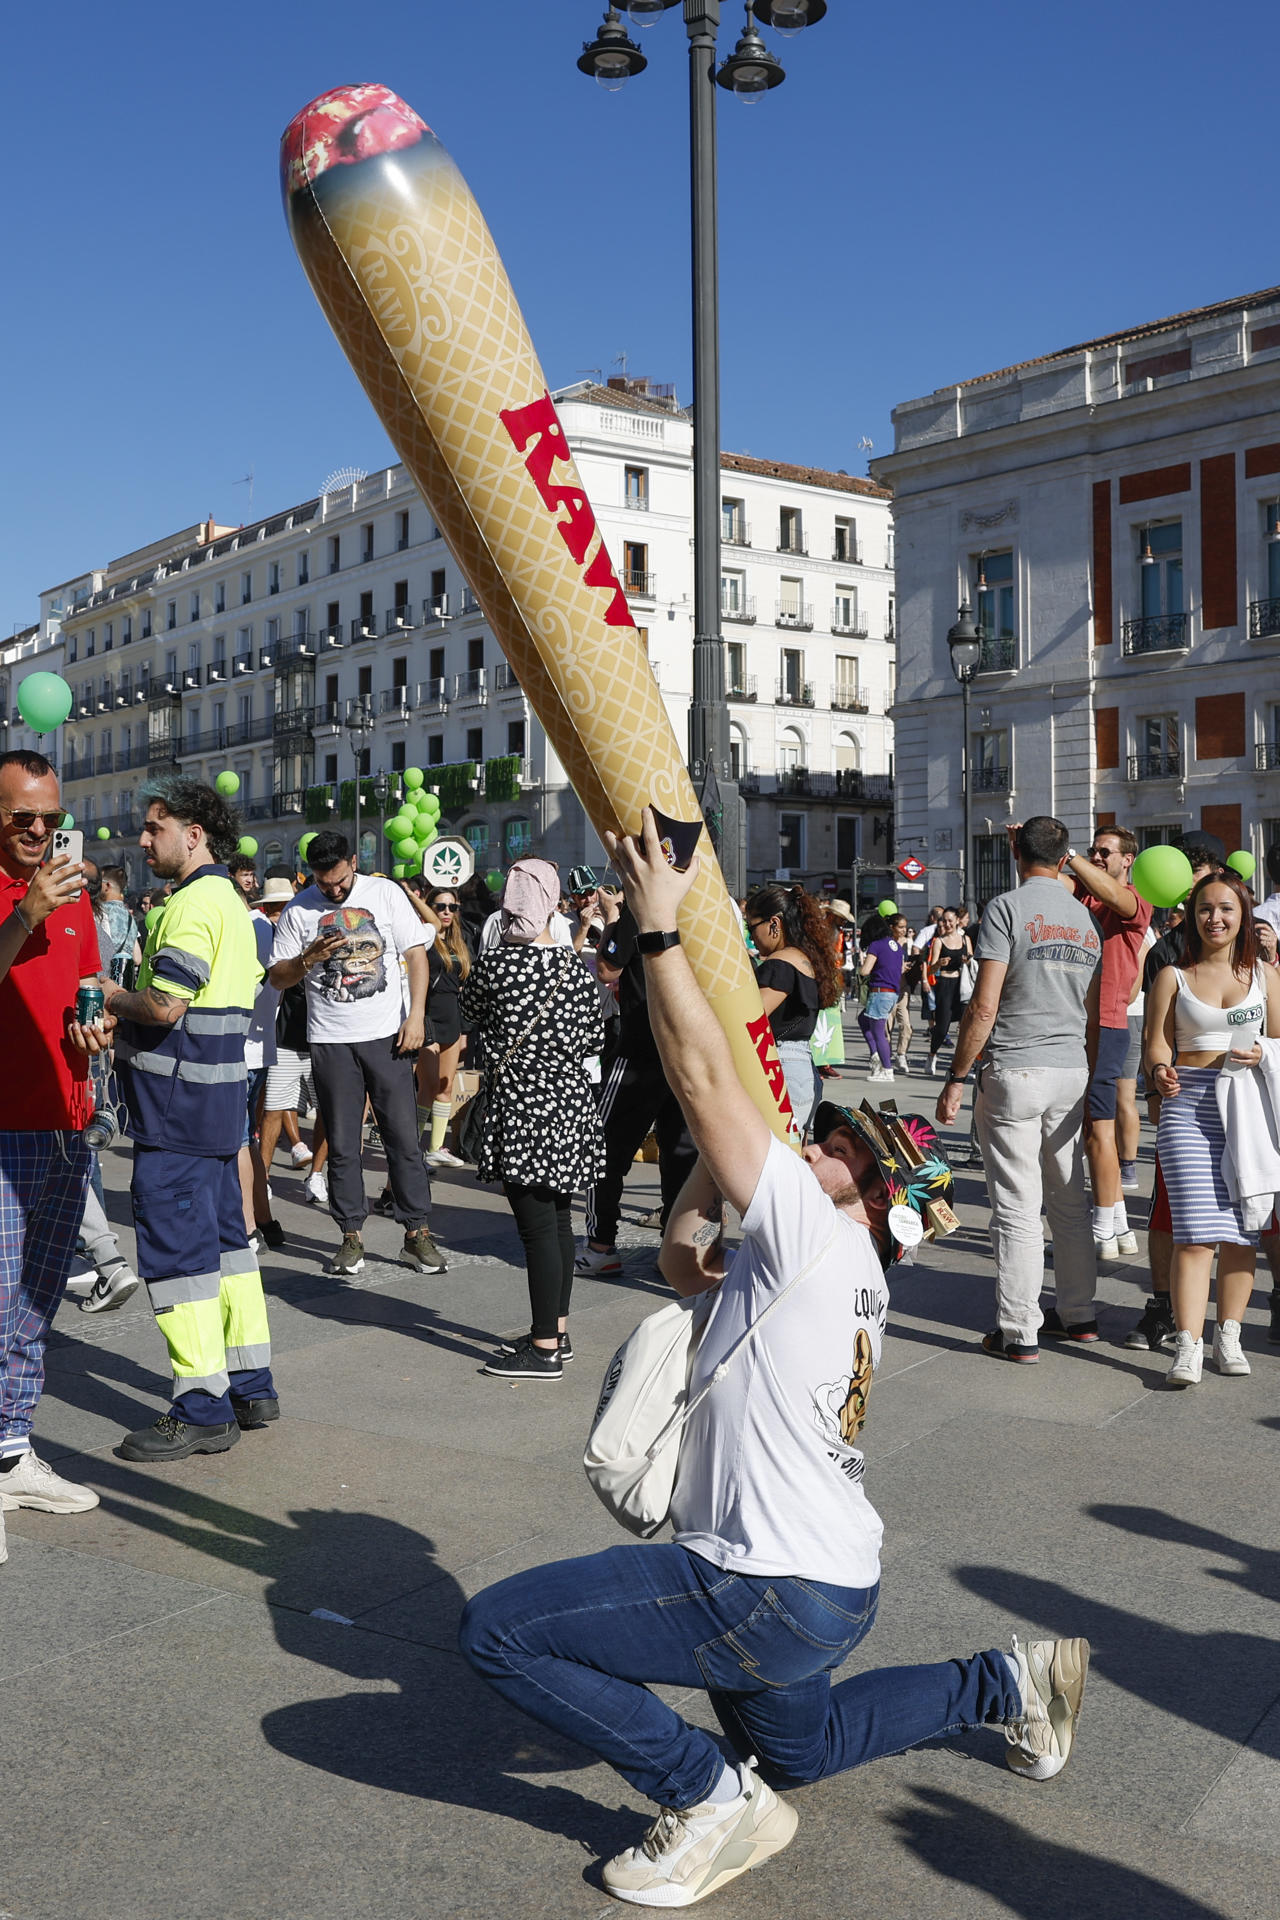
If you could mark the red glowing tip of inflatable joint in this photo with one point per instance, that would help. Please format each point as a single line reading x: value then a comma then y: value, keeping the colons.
x: 342, y: 127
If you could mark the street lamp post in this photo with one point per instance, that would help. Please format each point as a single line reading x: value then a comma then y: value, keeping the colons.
x: 964, y: 642
x: 750, y: 71
x: 359, y: 727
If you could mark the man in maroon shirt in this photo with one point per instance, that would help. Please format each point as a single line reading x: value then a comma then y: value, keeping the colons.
x: 1100, y: 880
x: 48, y: 948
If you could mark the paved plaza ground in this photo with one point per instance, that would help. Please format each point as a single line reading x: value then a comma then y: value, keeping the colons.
x: 233, y: 1691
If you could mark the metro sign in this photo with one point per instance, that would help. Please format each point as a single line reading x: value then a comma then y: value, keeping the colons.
x: 910, y: 868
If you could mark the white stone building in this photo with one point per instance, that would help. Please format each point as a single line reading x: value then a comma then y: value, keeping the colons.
x: 1112, y: 512
x: 245, y: 648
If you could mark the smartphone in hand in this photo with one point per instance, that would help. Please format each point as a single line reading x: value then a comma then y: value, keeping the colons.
x: 68, y: 844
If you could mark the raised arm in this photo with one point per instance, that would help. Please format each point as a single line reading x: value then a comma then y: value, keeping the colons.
x: 692, y: 1256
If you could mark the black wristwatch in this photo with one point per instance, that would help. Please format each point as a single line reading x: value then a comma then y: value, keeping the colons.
x: 957, y: 1079
x: 656, y: 942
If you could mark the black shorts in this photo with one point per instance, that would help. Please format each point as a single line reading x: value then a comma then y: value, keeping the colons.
x: 444, y: 1027
x: 1113, y: 1047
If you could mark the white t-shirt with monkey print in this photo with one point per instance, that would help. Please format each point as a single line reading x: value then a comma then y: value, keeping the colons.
x: 770, y: 1480
x: 358, y: 994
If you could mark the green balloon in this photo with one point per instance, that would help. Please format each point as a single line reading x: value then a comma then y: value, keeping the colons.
x: 44, y: 701
x: 248, y: 846
x: 303, y: 844
x: 433, y: 805
x: 1161, y: 875
x: 433, y: 835
x: 398, y: 829
x: 887, y: 909
x: 493, y: 880
x: 399, y: 870
x: 422, y: 802
x: 227, y: 783
x: 153, y: 915
x: 104, y: 833
x: 1242, y: 863
x: 411, y: 777
x: 70, y: 820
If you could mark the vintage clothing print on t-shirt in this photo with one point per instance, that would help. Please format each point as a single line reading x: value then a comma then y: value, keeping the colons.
x: 840, y: 1406
x: 357, y: 969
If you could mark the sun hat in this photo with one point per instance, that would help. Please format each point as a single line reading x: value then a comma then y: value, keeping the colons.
x: 912, y: 1165
x: 273, y: 891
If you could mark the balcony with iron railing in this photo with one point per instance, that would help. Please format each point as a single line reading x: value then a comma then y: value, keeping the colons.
x: 289, y: 800
x: 258, y: 810
x: 209, y: 740
x: 991, y: 779
x: 743, y: 688
x: 329, y: 637
x: 849, y: 621
x: 848, y: 550
x: 642, y: 585
x: 735, y: 533
x: 398, y: 619
x: 999, y: 653
x: 1155, y: 766
x: 794, y: 693
x: 851, y: 783
x: 431, y: 693
x: 1266, y: 756
x: 1156, y: 633
x: 504, y: 678
x: 636, y: 502
x: 129, y: 759
x: 242, y: 733
x: 363, y: 628
x: 396, y: 702
x: 793, y: 543
x: 847, y: 699
x: 740, y: 607
x: 471, y: 687
x: 242, y: 662
x: 798, y: 617
x: 292, y: 721
x: 1264, y: 619
x: 78, y: 766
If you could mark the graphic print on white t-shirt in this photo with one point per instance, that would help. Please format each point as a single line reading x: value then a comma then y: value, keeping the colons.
x: 357, y: 969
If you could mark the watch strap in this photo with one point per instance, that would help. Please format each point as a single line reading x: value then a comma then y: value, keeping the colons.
x: 657, y: 942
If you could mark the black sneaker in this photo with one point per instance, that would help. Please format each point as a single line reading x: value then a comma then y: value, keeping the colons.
x: 385, y: 1204
x: 1154, y: 1330
x: 1080, y: 1330
x: 526, y: 1363
x: 252, y: 1414
x: 1273, y: 1331
x: 421, y: 1251
x: 1003, y: 1349
x: 526, y: 1340
x: 272, y: 1233
x: 173, y: 1439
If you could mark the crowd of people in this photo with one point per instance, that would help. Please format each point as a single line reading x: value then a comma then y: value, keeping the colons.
x: 541, y: 1038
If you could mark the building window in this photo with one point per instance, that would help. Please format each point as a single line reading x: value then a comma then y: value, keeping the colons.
x: 737, y: 752
x: 439, y: 593
x: 733, y: 594
x: 220, y: 597
x: 790, y: 752
x: 848, y: 839
x: 791, y: 686
x: 791, y: 609
x: 402, y: 530
x: 635, y: 566
x: 330, y: 769
x: 304, y: 568
x: 271, y: 632
x: 790, y: 530
x: 400, y: 671
x: 989, y: 762
x: 517, y: 838
x: 847, y: 689
x: 246, y: 589
x: 146, y: 623
x: 400, y: 598
x: 636, y: 487
x: 848, y: 753
x: 194, y: 612
x: 365, y: 760
x: 733, y: 523
x: 397, y: 756
x: 993, y: 590
x: 273, y: 576
x: 844, y: 611
x: 889, y: 548
x: 366, y: 542
x: 366, y: 612
x: 845, y: 544
x: 735, y: 667
x: 335, y: 553
x: 1158, y: 742
x: 1160, y: 569
x: 435, y: 749
x: 364, y: 681
x: 992, y: 869
x: 475, y: 654
x: 791, y: 841
x: 515, y: 737
x: 72, y: 654
x: 890, y: 632
x: 475, y: 744
x: 170, y: 615
x: 476, y: 835
x: 1159, y: 836
x: 108, y: 637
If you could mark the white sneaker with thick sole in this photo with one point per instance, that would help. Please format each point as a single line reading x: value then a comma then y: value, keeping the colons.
x: 1228, y: 1356
x: 1188, y: 1362
x: 33, y: 1483
x: 597, y: 1260
x: 316, y: 1188
x: 901, y: 1063
x: 686, y: 1856
x: 301, y: 1154
x: 1051, y: 1676
x: 110, y: 1290
x: 1108, y: 1249
x: 1126, y: 1244
x: 443, y: 1157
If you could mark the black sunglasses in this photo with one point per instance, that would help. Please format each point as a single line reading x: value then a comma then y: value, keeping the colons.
x: 25, y: 820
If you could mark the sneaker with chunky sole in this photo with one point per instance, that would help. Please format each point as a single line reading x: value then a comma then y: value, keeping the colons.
x: 1081, y: 1331
x: 1188, y: 1362
x: 110, y: 1290
x: 300, y: 1154
x: 526, y: 1340
x: 1154, y: 1329
x: 598, y: 1260
x: 350, y: 1255
x: 33, y: 1483
x: 1228, y: 1356
x: 1051, y: 1676
x: 686, y: 1856
x: 316, y: 1188
x: 421, y: 1251
x: 525, y: 1363
x: 443, y: 1157
x: 996, y: 1343
x: 173, y: 1439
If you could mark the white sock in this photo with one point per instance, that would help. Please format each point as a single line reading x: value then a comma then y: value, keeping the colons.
x: 727, y: 1788
x: 1102, y: 1228
x: 1119, y: 1218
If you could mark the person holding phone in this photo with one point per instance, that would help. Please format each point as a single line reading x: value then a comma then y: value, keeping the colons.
x: 48, y: 950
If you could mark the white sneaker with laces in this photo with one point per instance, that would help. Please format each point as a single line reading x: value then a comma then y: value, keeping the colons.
x: 301, y: 1154
x: 316, y: 1188
x: 1188, y: 1362
x: 33, y: 1483
x: 1228, y: 1357
x: 1051, y: 1676
x: 686, y: 1856
x: 598, y: 1260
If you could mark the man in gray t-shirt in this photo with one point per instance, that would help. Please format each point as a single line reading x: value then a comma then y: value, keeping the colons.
x: 1035, y: 1012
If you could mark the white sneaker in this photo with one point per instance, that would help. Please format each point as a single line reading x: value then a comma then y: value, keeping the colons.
x: 443, y: 1157
x: 1228, y: 1356
x: 111, y: 1289
x: 887, y: 1074
x: 1108, y: 1249
x: 301, y: 1154
x: 1127, y: 1244
x: 934, y: 1069
x: 594, y: 1260
x: 685, y: 1856
x: 1188, y: 1362
x: 1051, y: 1676
x: 316, y: 1188
x: 81, y: 1281
x: 33, y: 1483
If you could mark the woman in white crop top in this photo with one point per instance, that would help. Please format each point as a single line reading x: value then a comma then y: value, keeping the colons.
x: 1208, y: 1016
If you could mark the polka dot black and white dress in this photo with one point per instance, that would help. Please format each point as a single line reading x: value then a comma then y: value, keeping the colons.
x: 543, y: 1129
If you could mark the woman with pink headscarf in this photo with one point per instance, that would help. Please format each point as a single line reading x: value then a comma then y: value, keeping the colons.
x: 539, y: 1011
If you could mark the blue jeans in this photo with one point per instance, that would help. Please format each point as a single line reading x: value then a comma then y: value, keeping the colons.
x: 578, y: 1644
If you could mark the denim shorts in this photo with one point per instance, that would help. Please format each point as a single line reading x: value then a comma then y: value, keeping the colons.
x: 881, y: 1003
x: 253, y: 1088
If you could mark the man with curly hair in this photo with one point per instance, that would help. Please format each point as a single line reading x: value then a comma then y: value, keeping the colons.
x: 180, y: 1039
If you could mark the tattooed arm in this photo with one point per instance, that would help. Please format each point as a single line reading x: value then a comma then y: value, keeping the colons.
x: 692, y: 1256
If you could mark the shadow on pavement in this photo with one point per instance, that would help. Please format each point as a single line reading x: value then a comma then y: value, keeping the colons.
x: 1036, y: 1878
x: 1259, y: 1570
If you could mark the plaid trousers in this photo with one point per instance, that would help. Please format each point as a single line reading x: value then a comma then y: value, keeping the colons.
x: 43, y: 1177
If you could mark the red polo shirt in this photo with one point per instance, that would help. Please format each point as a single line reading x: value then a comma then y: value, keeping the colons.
x: 1121, y: 948
x: 45, y: 1078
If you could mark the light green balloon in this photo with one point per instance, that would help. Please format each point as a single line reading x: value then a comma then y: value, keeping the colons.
x: 153, y: 915
x: 227, y: 783
x: 399, y: 870
x: 303, y: 844
x: 887, y: 909
x: 398, y: 829
x: 1161, y: 875
x: 104, y: 833
x: 44, y: 701
x: 433, y: 835
x: 411, y: 777
x: 1242, y: 863
x: 248, y: 846
x: 433, y: 805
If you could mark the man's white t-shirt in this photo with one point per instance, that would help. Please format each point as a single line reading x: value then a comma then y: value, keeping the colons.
x: 770, y: 1481
x: 360, y: 993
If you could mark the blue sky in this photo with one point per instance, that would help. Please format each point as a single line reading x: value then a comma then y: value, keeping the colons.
x: 935, y: 191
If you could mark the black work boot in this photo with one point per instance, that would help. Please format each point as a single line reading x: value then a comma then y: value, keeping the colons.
x: 173, y: 1439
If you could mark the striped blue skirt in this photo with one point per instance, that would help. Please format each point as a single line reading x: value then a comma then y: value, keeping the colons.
x: 1191, y: 1142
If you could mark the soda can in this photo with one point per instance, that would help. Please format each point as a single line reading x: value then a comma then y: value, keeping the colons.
x: 89, y: 1006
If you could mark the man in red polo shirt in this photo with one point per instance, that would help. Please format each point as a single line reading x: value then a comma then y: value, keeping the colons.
x: 48, y: 948
x: 1100, y: 880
